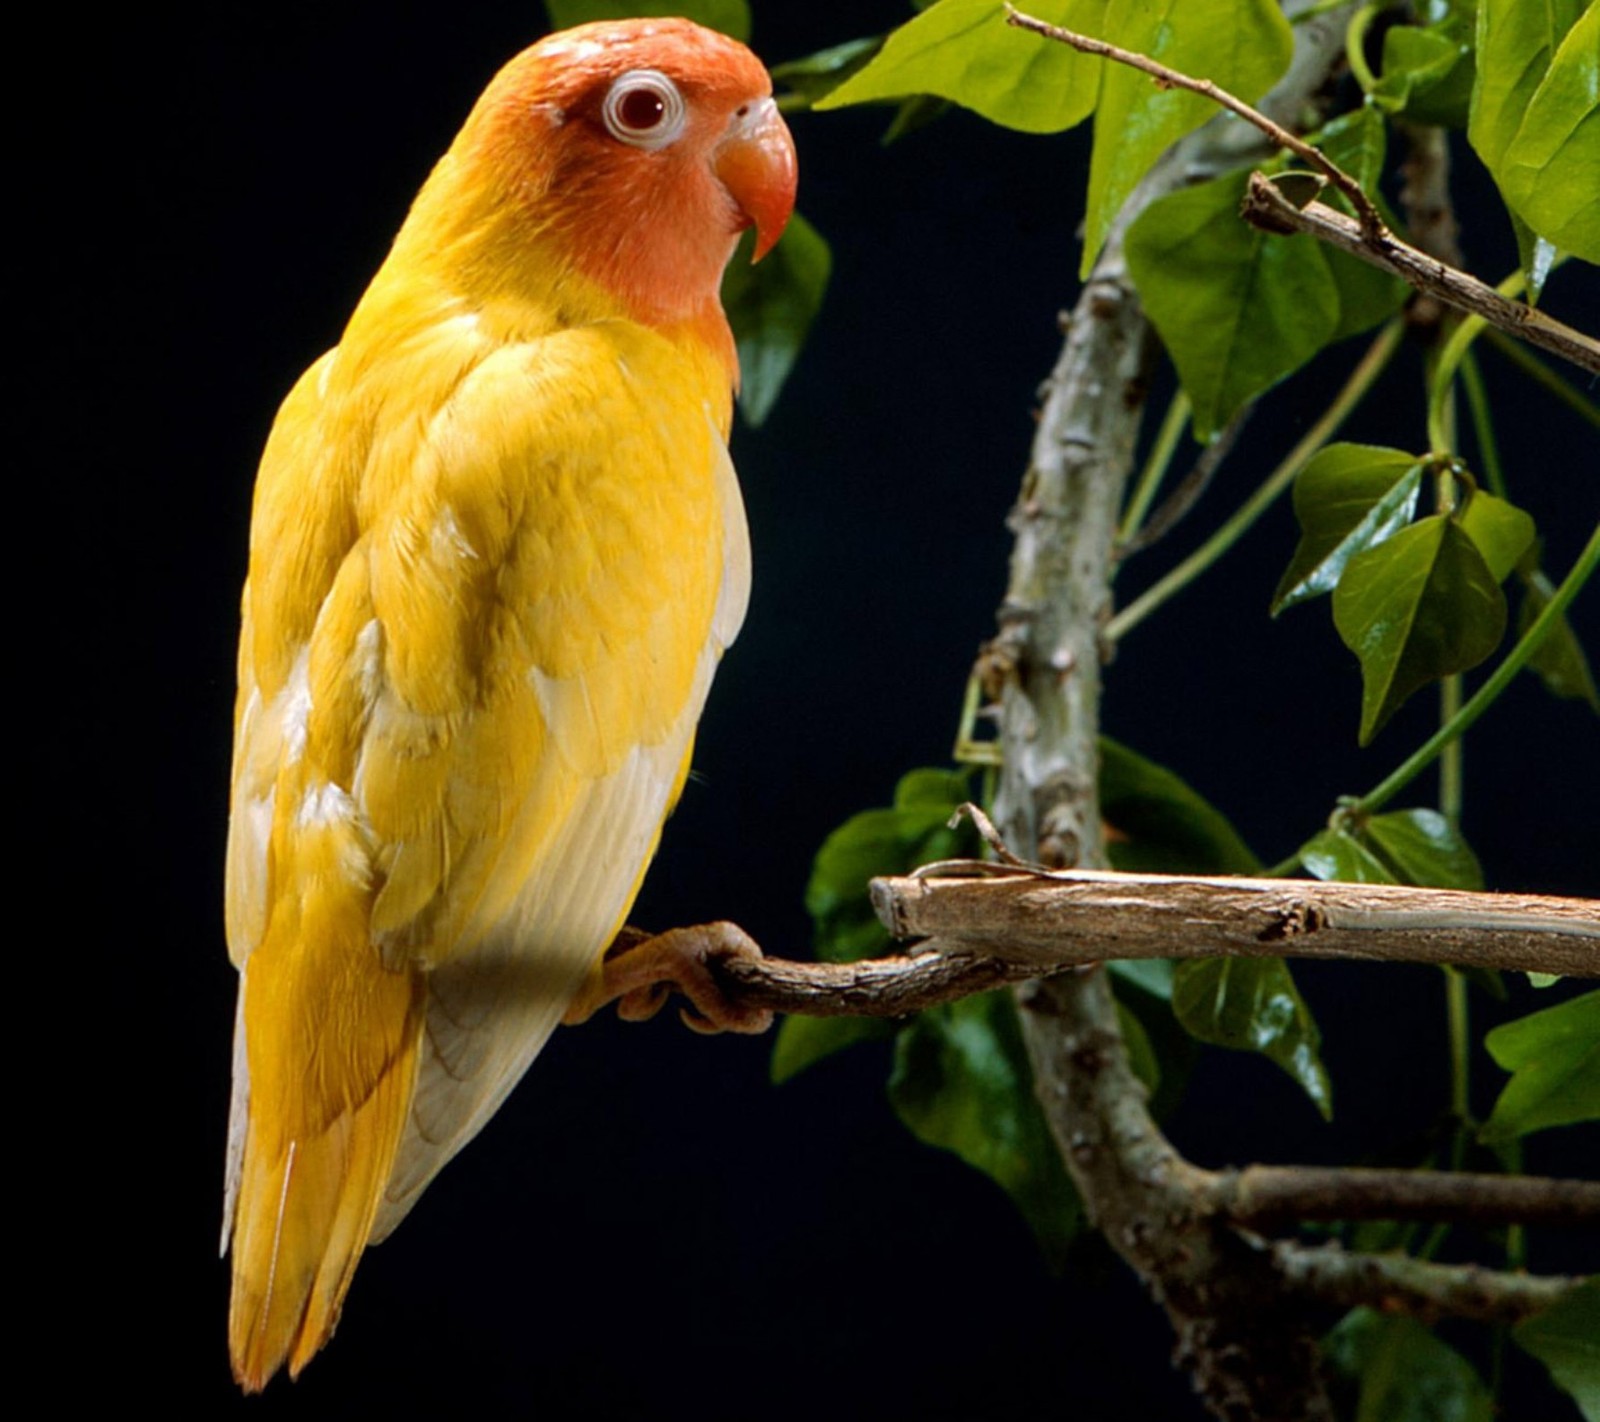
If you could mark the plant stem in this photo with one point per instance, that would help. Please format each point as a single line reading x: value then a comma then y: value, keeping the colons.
x: 1537, y: 370
x: 1483, y: 425
x: 1155, y: 467
x: 1355, y: 46
x: 1460, y: 1056
x: 1484, y: 697
x: 1361, y: 378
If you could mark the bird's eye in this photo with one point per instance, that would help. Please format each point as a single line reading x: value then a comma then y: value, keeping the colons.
x: 645, y: 109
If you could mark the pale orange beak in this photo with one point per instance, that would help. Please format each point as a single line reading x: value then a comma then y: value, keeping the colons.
x: 756, y: 163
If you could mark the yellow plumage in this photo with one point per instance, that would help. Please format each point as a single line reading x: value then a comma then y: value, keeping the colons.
x: 497, y: 549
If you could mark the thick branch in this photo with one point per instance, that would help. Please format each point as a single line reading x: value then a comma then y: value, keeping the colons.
x: 1265, y: 1195
x: 1267, y: 208
x: 1397, y: 1283
x: 1057, y: 920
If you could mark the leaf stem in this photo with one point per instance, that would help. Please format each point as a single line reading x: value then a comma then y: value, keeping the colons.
x: 1483, y: 424
x: 1155, y: 467
x: 1361, y: 378
x: 1537, y: 370
x: 1355, y: 46
x: 1484, y: 697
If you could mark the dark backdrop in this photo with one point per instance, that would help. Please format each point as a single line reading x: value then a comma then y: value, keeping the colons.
x: 648, y: 1227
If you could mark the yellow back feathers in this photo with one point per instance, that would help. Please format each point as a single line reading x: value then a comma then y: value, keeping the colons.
x: 497, y: 550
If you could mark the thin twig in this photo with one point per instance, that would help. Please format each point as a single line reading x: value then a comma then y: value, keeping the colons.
x: 1267, y: 208
x: 1397, y: 1283
x: 1371, y: 220
x: 1188, y: 490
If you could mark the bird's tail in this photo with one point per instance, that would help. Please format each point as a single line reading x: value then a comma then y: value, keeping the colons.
x: 316, y: 1156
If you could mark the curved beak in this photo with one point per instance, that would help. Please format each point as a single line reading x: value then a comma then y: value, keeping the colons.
x: 755, y: 162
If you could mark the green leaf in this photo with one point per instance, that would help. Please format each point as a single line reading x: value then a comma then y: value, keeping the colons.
x: 1252, y: 1005
x: 815, y: 75
x: 1141, y: 1054
x: 1550, y: 172
x: 1535, y: 256
x: 1515, y: 43
x: 1348, y: 498
x: 1501, y: 531
x: 964, y: 51
x: 886, y: 841
x: 1337, y: 854
x: 1404, y: 1373
x: 1559, y: 660
x: 1427, y: 73
x: 1152, y: 976
x: 732, y: 17
x: 1172, y: 1050
x: 1425, y: 848
x: 1238, y: 310
x: 1419, y: 606
x: 804, y: 1041
x: 962, y: 1081
x: 1356, y: 141
x: 1566, y: 1339
x: 1160, y: 824
x: 770, y: 307
x: 1554, y: 1058
x: 1242, y: 45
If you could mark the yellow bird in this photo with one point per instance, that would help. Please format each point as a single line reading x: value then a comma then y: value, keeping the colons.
x: 497, y: 550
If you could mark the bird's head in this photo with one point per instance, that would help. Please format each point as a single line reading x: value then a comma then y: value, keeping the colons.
x: 638, y: 150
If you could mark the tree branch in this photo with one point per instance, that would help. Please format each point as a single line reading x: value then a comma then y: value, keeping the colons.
x: 1367, y: 237
x: 1266, y: 1195
x: 1397, y: 1283
x: 1267, y: 208
x: 1054, y: 921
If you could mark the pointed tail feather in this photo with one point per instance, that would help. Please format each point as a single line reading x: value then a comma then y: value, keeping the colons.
x: 305, y: 1207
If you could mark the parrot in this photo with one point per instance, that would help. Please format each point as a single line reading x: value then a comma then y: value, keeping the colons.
x: 497, y: 550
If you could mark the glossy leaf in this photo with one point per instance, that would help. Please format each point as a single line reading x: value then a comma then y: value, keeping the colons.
x: 1550, y: 172
x: 913, y: 831
x: 1238, y: 310
x: 1336, y: 854
x: 1501, y: 531
x: 1348, y: 498
x: 1516, y: 44
x: 1152, y: 976
x: 1427, y: 73
x: 732, y: 17
x: 1554, y: 1058
x: 964, y: 51
x: 1252, y: 1004
x: 821, y: 73
x: 1559, y: 660
x: 1242, y: 45
x: 962, y: 1081
x: 804, y: 1041
x: 1424, y: 848
x: 1419, y: 606
x: 1159, y: 824
x: 1535, y: 256
x: 1403, y: 1373
x: 1566, y: 1339
x: 770, y: 307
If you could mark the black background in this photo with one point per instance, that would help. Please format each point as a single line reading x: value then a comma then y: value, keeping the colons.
x: 649, y: 1228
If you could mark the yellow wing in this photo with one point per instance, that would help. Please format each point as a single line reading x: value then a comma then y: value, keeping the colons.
x: 479, y: 631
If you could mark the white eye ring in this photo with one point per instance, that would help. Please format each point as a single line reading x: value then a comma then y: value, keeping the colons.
x: 644, y: 108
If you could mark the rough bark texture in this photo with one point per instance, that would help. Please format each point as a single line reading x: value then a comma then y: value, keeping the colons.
x: 1248, y: 1357
x: 1082, y: 916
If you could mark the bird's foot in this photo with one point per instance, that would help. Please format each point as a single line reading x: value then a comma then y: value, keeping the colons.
x: 640, y: 970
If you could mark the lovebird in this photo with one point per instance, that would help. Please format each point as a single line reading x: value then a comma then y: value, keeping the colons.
x: 497, y: 548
